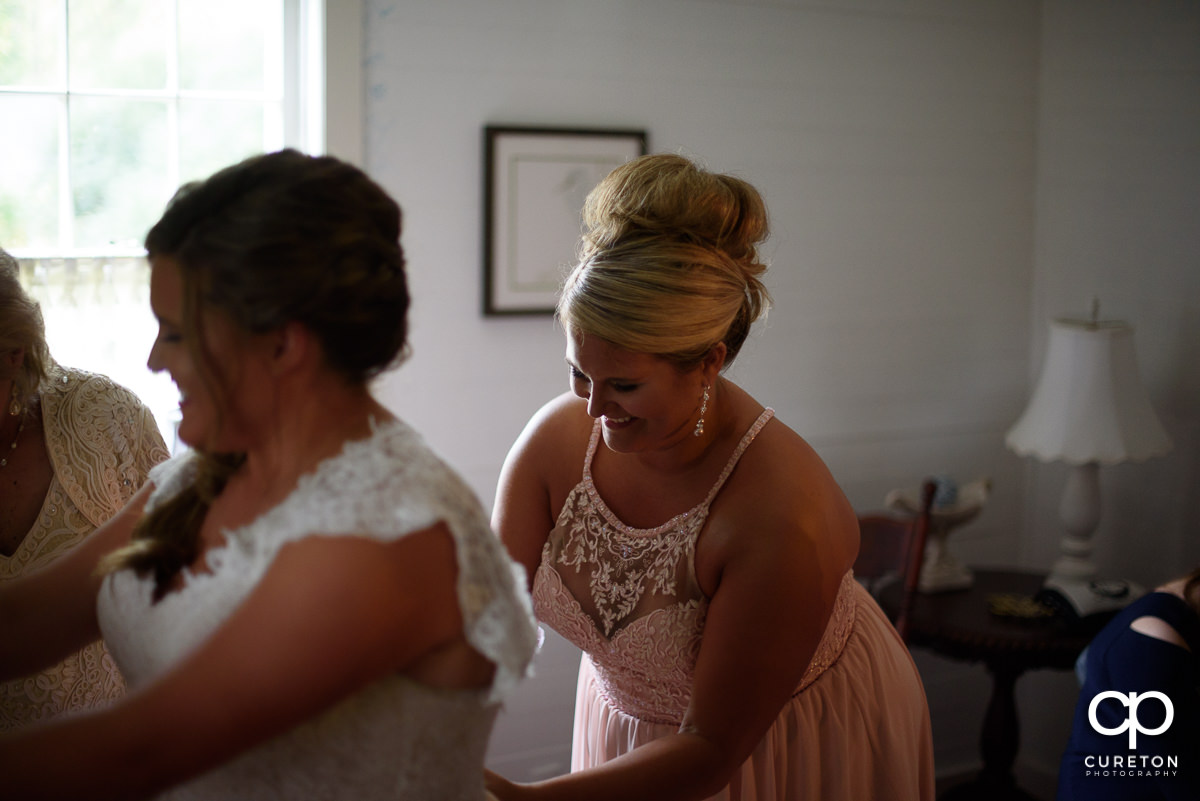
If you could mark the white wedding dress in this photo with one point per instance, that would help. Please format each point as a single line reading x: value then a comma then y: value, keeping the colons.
x: 397, y: 739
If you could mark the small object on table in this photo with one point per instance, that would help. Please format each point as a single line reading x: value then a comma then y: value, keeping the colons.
x: 1014, y: 605
x: 953, y: 506
x: 1080, y: 599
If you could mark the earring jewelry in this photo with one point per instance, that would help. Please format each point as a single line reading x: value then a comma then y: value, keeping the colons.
x: 14, y: 407
x: 703, y: 408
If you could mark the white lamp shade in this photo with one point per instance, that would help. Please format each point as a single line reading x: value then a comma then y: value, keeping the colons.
x: 1089, y: 404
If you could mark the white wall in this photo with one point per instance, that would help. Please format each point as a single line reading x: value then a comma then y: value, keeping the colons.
x: 1118, y: 217
x: 897, y: 145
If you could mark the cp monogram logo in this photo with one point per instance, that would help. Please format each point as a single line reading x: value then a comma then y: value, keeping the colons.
x: 1131, y: 723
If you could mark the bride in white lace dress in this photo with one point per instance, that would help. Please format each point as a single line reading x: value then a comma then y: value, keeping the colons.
x: 309, y: 604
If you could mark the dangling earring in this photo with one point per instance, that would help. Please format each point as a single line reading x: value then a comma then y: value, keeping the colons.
x: 703, y: 408
x: 14, y: 408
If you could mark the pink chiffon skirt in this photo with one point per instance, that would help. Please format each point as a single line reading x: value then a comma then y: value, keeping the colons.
x: 860, y: 731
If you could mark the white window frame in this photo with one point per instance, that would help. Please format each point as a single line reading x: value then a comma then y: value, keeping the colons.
x: 329, y: 119
x: 342, y: 115
x: 323, y: 53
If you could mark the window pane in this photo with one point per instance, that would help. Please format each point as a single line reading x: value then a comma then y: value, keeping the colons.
x: 31, y: 43
x: 216, y: 133
x: 119, y: 44
x: 29, y: 178
x: 119, y: 172
x: 98, y: 318
x: 249, y: 36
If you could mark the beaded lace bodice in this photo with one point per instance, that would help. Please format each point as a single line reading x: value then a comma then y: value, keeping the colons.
x: 398, y: 739
x: 640, y: 615
x: 102, y: 442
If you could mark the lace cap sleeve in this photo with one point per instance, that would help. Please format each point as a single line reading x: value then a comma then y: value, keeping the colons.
x: 391, y: 485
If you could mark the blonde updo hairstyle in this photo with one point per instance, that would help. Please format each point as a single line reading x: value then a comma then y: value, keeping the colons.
x: 21, y: 326
x: 669, y: 262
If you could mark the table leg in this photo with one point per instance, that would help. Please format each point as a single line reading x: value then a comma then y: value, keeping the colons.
x: 998, y: 743
x: 1001, y: 735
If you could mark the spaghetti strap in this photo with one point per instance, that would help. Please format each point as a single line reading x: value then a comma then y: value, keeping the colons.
x: 591, y: 450
x: 747, y: 438
x: 701, y: 508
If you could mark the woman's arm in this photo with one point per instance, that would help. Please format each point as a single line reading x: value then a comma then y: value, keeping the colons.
x: 50, y: 613
x: 331, y: 615
x: 523, y: 515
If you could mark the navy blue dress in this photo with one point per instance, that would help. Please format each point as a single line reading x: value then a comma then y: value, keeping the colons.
x: 1103, y: 767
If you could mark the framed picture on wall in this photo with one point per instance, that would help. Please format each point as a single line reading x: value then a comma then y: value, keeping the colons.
x: 535, y: 181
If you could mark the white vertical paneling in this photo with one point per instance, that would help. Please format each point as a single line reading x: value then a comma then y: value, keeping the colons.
x: 1118, y: 217
x: 894, y: 145
x: 901, y: 147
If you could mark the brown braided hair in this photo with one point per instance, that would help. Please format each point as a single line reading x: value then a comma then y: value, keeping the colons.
x: 278, y: 238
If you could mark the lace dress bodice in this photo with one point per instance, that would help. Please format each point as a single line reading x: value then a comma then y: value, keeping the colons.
x: 397, y: 739
x: 629, y: 598
x: 102, y: 442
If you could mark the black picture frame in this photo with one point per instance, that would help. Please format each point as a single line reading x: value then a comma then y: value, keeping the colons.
x: 534, y: 182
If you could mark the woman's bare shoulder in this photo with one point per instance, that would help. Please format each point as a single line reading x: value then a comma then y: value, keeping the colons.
x: 784, y: 463
x: 563, y: 413
x: 560, y: 425
x: 1159, y: 629
x: 783, y: 491
x: 553, y: 444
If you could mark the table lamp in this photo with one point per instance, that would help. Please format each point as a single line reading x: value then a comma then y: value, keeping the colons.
x: 1089, y: 408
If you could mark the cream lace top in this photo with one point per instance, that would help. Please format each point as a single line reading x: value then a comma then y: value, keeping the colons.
x: 397, y: 739
x: 102, y: 443
x: 629, y: 598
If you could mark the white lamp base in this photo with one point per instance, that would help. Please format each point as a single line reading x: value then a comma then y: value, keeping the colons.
x: 1079, y: 510
x: 1073, y: 576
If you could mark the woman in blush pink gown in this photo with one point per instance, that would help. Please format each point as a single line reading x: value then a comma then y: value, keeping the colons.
x: 692, y: 545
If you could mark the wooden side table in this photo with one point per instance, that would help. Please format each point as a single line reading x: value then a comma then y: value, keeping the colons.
x: 959, y: 625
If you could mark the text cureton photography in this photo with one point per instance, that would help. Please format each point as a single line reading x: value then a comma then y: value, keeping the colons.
x: 1131, y: 765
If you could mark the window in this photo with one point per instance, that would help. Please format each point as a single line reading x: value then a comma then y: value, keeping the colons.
x: 109, y: 105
